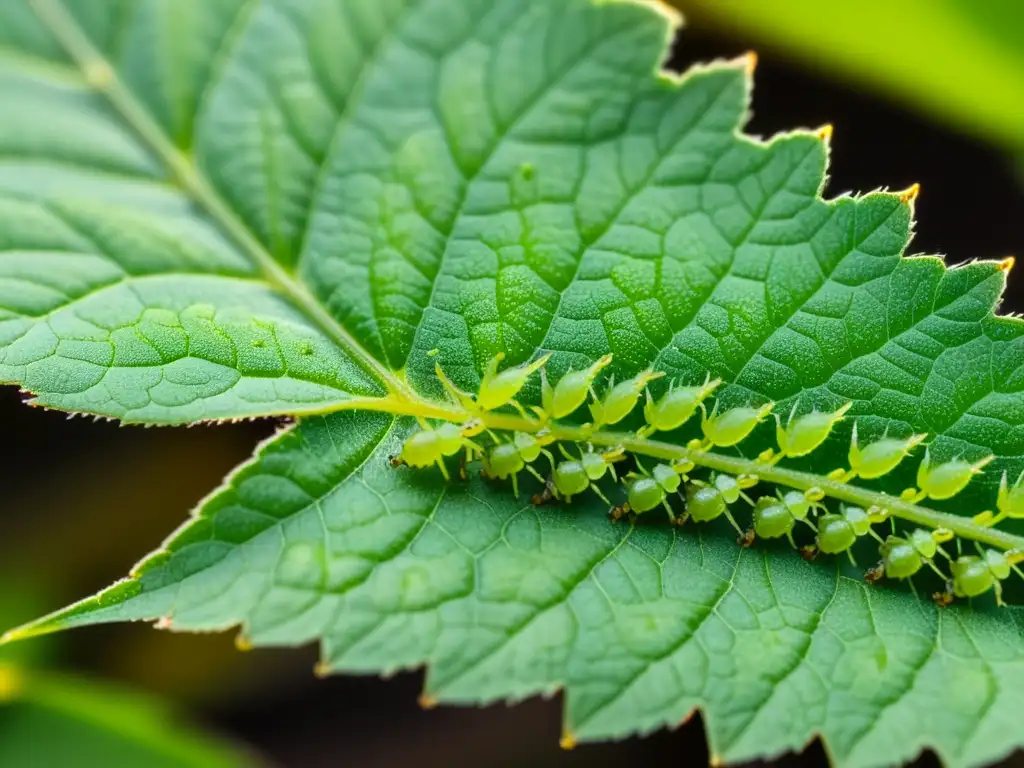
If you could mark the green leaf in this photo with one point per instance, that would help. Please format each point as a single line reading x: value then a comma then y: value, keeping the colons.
x: 117, y: 297
x: 963, y: 63
x: 47, y: 719
x: 378, y: 180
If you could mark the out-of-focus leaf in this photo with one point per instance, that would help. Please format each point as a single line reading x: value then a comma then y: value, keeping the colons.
x: 18, y: 601
x: 58, y: 722
x: 962, y: 61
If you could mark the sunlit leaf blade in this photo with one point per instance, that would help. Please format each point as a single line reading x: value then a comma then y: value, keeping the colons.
x: 382, y: 179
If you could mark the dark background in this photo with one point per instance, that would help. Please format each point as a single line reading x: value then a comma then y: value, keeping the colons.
x: 84, y: 500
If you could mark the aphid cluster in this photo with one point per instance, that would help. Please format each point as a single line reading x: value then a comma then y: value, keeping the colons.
x: 567, y: 469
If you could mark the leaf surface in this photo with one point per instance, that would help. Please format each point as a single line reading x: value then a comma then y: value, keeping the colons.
x: 358, y: 183
x: 118, y: 297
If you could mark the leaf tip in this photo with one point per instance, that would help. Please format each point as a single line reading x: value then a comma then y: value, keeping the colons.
x: 426, y: 701
x: 27, y: 631
x: 909, y: 195
x: 568, y: 741
x: 1006, y: 264
x: 322, y: 670
x: 824, y: 133
x: 749, y: 60
x: 242, y: 643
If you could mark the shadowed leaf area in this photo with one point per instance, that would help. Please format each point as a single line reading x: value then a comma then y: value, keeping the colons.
x: 224, y: 209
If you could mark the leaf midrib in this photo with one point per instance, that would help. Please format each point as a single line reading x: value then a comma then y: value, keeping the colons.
x: 101, y: 75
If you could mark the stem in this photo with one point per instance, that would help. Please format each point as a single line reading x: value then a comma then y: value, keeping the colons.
x: 964, y: 527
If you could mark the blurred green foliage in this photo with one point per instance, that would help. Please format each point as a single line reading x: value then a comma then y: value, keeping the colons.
x: 60, y: 721
x: 48, y: 719
x: 959, y: 60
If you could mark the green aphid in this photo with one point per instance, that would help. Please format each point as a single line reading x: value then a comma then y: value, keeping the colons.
x: 430, y: 445
x: 620, y: 399
x: 1010, y: 502
x: 777, y: 516
x: 676, y: 406
x: 878, y: 458
x: 497, y: 389
x: 839, y: 532
x: 732, y: 427
x: 647, y: 490
x: 708, y: 501
x: 571, y: 390
x: 507, y: 460
x: 974, y: 575
x: 945, y: 480
x: 904, y: 556
x: 575, y: 475
x: 804, y: 434
x: 500, y: 388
